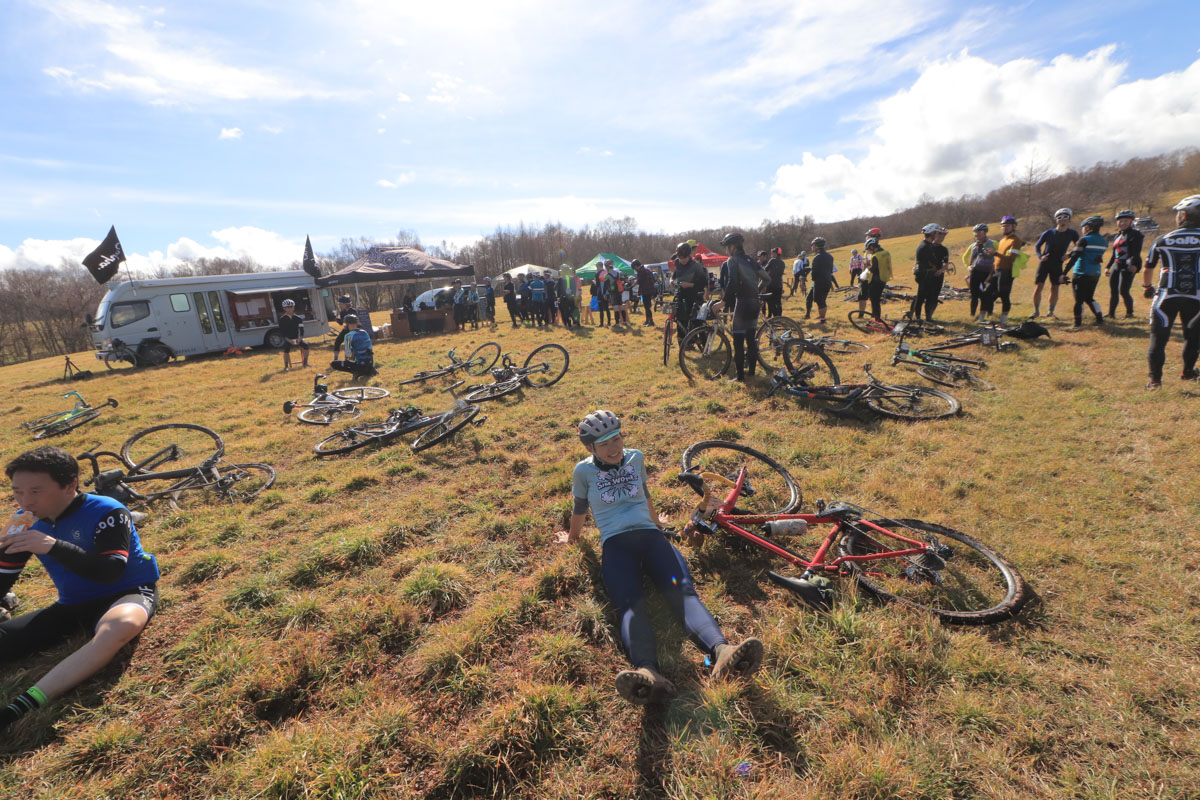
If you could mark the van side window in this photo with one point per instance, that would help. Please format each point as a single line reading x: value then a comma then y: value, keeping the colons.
x: 179, y: 302
x: 126, y: 313
x: 219, y: 318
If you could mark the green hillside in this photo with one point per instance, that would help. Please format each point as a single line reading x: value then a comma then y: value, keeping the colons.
x: 398, y: 625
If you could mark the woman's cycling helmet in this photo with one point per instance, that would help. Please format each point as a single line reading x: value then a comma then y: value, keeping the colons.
x: 872, y: 244
x: 818, y: 243
x: 1126, y: 214
x: 1008, y: 220
x: 599, y: 426
x: 1094, y: 221
x: 288, y: 304
x: 1063, y: 212
x: 732, y: 239
x: 931, y: 228
x: 874, y: 233
x: 981, y: 228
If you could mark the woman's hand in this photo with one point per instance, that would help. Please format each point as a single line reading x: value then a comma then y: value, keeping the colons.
x: 563, y: 537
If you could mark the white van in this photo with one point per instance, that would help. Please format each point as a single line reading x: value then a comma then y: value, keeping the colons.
x: 147, y: 322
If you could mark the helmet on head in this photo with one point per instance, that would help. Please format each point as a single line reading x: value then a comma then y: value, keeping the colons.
x: 854, y: 252
x: 1008, y: 220
x: 1094, y: 221
x: 350, y: 318
x: 762, y: 253
x: 288, y: 304
x: 344, y: 298
x: 931, y: 228
x: 683, y: 249
x: 1190, y: 206
x: 874, y: 233
x: 635, y: 263
x: 872, y: 244
x: 818, y: 243
x: 803, y: 253
x: 608, y: 262
x: 981, y: 228
x: 1126, y: 214
x: 733, y: 238
x: 599, y: 426
x: 1063, y: 212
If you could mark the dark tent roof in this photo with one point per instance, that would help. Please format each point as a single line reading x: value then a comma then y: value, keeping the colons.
x: 396, y: 264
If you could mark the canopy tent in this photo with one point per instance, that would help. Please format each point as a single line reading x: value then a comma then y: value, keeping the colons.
x: 396, y: 264
x: 588, y: 271
x: 528, y: 269
x: 707, y: 257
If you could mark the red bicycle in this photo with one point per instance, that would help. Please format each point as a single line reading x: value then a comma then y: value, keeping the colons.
x: 908, y: 561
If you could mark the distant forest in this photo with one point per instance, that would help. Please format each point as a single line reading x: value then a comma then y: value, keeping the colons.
x: 42, y: 310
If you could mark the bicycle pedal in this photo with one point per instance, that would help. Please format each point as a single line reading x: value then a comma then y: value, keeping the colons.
x: 479, y: 420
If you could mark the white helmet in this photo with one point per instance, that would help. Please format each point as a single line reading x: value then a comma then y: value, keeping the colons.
x: 288, y: 304
x: 599, y: 426
x: 1063, y: 212
x: 932, y: 227
x: 1190, y: 206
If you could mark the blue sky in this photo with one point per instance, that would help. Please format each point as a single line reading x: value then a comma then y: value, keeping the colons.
x: 223, y: 128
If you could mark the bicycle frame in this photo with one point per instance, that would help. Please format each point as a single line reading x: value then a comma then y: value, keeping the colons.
x: 851, y: 393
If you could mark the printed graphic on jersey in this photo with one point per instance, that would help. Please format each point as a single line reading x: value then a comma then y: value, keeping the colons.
x: 619, y: 484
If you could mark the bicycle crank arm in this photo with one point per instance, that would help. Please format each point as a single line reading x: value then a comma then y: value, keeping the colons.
x: 479, y: 420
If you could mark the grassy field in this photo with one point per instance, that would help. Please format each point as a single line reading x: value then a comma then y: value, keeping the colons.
x: 402, y: 625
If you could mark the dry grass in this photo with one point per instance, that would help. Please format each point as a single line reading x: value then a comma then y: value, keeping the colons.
x: 395, y: 624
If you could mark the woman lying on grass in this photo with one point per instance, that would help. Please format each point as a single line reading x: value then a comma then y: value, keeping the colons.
x: 612, y: 482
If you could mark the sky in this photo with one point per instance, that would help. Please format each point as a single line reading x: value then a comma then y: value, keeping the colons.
x: 235, y: 129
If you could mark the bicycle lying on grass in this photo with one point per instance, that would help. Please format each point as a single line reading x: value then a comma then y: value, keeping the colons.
x: 144, y: 455
x: 478, y: 363
x: 62, y: 421
x: 437, y: 428
x: 908, y: 561
x: 808, y: 369
x: 941, y: 368
x: 544, y: 367
x: 773, y: 335
x: 863, y: 321
x: 326, y: 407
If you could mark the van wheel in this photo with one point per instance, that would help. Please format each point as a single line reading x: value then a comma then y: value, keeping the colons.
x: 274, y: 339
x: 154, y: 353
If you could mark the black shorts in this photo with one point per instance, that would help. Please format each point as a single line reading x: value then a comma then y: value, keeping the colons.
x: 1049, y: 269
x: 47, y: 627
x: 287, y: 345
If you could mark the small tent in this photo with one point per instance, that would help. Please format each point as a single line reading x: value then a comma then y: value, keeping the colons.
x: 588, y: 271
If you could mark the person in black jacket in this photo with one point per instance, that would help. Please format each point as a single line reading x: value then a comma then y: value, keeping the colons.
x: 822, y: 280
x: 344, y: 309
x: 1123, y: 264
x: 742, y: 295
x: 291, y: 327
x: 775, y: 269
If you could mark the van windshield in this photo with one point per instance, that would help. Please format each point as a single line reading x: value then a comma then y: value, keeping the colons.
x: 101, y: 312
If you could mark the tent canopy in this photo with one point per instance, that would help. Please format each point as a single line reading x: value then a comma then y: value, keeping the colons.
x: 588, y: 271
x: 396, y: 264
x: 527, y: 269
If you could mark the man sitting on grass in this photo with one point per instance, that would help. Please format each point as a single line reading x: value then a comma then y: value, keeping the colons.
x: 89, y: 547
x: 612, y: 482
x: 359, y: 354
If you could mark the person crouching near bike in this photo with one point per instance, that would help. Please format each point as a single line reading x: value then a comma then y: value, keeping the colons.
x: 611, y: 481
x: 874, y: 278
x: 358, y: 353
x: 89, y: 547
x: 746, y: 279
x: 292, y: 328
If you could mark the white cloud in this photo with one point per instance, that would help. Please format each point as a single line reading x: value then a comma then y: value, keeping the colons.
x: 401, y: 97
x: 595, y: 151
x: 400, y: 180
x: 272, y: 129
x: 966, y: 125
x: 231, y: 133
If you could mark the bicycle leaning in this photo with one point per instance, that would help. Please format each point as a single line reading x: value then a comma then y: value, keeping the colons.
x: 908, y: 561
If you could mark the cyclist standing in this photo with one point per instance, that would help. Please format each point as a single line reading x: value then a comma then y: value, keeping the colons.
x: 980, y: 260
x: 612, y: 483
x: 822, y: 280
x: 1178, y: 253
x: 799, y: 274
x: 645, y: 287
x: 775, y: 269
x: 88, y: 545
x: 874, y: 278
x: 1123, y: 264
x: 1087, y: 256
x: 928, y: 272
x: 1051, y: 249
x: 292, y: 329
x: 1007, y: 251
x: 742, y: 295
x: 856, y: 266
x: 691, y: 285
x: 510, y: 300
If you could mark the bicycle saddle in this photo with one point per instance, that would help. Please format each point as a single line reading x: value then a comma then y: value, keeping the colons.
x: 814, y: 596
x: 694, y: 480
x: 838, y: 510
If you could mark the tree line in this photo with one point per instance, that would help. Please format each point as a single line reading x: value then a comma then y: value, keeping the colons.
x: 43, y: 310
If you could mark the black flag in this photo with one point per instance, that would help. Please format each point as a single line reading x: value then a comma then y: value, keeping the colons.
x: 310, y: 262
x: 105, y: 259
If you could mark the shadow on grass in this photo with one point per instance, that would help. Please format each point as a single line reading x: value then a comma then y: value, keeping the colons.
x: 654, y: 752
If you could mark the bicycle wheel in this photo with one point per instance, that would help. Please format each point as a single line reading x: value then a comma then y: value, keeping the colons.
x: 325, y: 415
x: 912, y: 403
x: 445, y: 427
x: 174, y: 441
x: 56, y: 428
x: 492, y: 391
x: 668, y: 334
x: 951, y: 376
x: 361, y: 393
x: 809, y: 364
x: 425, y: 375
x: 865, y: 322
x: 42, y: 422
x: 771, y: 337
x: 705, y: 353
x: 244, y: 482
x: 961, y: 580
x: 353, y: 438
x: 113, y: 359
x: 482, y: 358
x: 842, y: 346
x: 775, y: 491
x: 552, y: 360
